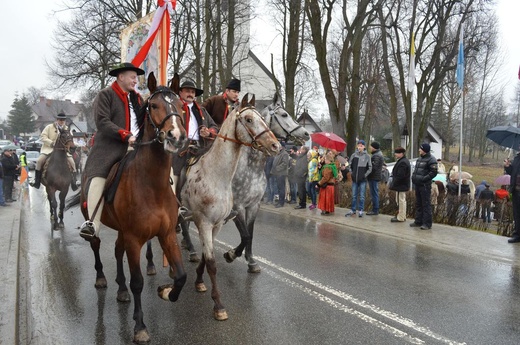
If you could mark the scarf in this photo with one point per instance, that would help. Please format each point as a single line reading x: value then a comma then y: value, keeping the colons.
x: 331, y: 166
x: 123, y: 96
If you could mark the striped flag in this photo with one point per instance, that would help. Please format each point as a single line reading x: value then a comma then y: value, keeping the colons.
x: 411, y: 71
x: 460, y: 60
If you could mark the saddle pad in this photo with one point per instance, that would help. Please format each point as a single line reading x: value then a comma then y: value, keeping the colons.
x: 114, y: 177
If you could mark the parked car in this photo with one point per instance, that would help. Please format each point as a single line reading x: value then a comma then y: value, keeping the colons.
x: 32, y: 158
x: 5, y: 143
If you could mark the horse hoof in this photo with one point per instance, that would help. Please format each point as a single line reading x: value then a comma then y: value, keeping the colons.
x: 151, y: 271
x: 123, y: 296
x: 200, y: 287
x: 194, y: 257
x: 164, y: 291
x: 101, y: 283
x: 220, y: 315
x: 141, y: 337
x: 254, y: 268
x: 230, y: 256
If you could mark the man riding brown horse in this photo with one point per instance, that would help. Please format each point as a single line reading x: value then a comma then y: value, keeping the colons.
x: 115, y: 109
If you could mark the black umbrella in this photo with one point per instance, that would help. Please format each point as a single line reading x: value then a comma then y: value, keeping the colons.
x: 507, y: 136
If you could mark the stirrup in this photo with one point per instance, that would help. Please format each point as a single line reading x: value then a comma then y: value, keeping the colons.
x: 230, y: 216
x: 185, y: 214
x: 87, y: 230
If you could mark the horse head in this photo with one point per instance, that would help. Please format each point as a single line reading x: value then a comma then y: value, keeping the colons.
x: 164, y: 109
x: 251, y: 130
x: 64, y: 141
x: 282, y: 124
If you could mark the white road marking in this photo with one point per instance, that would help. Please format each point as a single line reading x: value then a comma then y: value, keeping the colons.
x: 318, y: 288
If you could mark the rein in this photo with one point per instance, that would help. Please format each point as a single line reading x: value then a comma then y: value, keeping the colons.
x: 254, y: 144
x: 272, y: 112
x: 160, y: 135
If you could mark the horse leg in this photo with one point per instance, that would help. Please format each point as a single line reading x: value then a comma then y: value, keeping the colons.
x: 240, y: 222
x: 173, y: 254
x: 150, y: 267
x: 63, y: 195
x: 251, y: 263
x: 119, y: 251
x: 133, y: 254
x: 185, y: 229
x: 219, y: 312
x: 199, y: 281
x: 101, y: 281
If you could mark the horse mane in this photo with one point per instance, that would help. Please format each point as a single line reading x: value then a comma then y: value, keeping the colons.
x: 140, y: 120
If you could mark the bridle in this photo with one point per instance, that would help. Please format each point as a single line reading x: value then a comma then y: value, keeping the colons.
x: 272, y: 112
x: 63, y: 138
x: 254, y: 137
x: 160, y: 135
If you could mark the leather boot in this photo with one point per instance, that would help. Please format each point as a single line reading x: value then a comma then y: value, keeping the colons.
x: 37, y: 179
x: 74, y: 182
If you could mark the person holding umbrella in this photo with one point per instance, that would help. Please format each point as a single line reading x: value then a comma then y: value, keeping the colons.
x: 513, y: 169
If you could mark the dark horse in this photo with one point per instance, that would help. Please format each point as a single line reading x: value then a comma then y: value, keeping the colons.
x: 56, y: 177
x: 144, y: 205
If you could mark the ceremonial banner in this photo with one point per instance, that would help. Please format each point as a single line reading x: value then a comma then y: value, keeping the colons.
x: 133, y: 38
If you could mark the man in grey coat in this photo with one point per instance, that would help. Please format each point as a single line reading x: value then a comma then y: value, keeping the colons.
x: 375, y: 176
x: 280, y: 169
x: 114, y: 109
x: 301, y: 171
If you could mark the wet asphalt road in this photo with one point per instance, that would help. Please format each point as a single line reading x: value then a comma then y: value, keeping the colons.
x: 320, y: 284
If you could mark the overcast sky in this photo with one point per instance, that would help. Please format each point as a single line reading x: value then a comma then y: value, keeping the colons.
x: 27, y: 26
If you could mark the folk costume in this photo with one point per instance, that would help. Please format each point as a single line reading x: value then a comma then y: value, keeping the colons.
x: 220, y: 106
x: 48, y: 137
x: 328, y: 175
x: 113, y: 110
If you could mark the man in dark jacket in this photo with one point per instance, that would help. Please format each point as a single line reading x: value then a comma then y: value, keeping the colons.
x: 300, y: 176
x: 9, y: 168
x: 513, y: 169
x: 375, y: 176
x: 485, y: 198
x: 114, y: 109
x: 220, y: 106
x: 400, y: 182
x: 360, y: 167
x: 423, y: 174
x: 280, y: 170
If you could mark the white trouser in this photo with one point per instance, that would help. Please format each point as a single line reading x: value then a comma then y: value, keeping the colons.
x: 95, y: 193
x: 400, y: 199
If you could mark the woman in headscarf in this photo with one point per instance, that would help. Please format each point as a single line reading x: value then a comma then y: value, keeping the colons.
x: 328, y: 175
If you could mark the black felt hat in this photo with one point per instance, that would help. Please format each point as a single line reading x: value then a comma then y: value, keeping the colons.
x: 189, y: 84
x: 61, y: 116
x: 234, y: 84
x: 124, y: 66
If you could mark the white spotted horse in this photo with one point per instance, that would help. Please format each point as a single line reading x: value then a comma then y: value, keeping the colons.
x: 207, y: 191
x: 249, y: 182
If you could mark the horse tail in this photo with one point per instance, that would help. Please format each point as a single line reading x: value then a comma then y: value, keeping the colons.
x: 73, y: 201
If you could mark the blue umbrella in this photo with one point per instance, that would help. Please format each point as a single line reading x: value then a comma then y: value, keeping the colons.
x: 507, y: 136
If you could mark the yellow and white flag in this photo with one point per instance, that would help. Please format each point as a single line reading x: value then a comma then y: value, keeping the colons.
x: 411, y: 71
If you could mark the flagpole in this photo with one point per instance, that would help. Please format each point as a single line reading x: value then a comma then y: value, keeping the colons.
x: 460, y: 82
x: 411, y: 86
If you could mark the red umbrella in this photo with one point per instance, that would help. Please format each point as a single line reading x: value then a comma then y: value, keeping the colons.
x: 329, y: 140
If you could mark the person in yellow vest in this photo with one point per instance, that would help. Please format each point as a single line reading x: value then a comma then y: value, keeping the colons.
x: 48, y: 137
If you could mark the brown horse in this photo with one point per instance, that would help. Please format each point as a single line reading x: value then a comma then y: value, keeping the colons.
x: 144, y: 205
x: 57, y: 177
x: 207, y: 191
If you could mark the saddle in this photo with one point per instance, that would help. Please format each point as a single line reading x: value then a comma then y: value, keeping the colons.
x: 114, y: 177
x: 46, y: 165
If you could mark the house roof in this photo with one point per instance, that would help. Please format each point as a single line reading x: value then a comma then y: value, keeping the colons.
x: 305, y: 119
x: 262, y: 66
x: 47, y: 109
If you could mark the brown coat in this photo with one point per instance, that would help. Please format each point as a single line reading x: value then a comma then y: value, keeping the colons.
x: 216, y: 107
x: 110, y: 143
x: 327, y: 177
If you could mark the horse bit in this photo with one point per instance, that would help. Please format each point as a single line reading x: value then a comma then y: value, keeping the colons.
x: 160, y: 135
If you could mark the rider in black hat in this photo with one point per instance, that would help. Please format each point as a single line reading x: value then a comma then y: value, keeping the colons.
x: 48, y: 138
x: 115, y: 109
x: 220, y: 106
